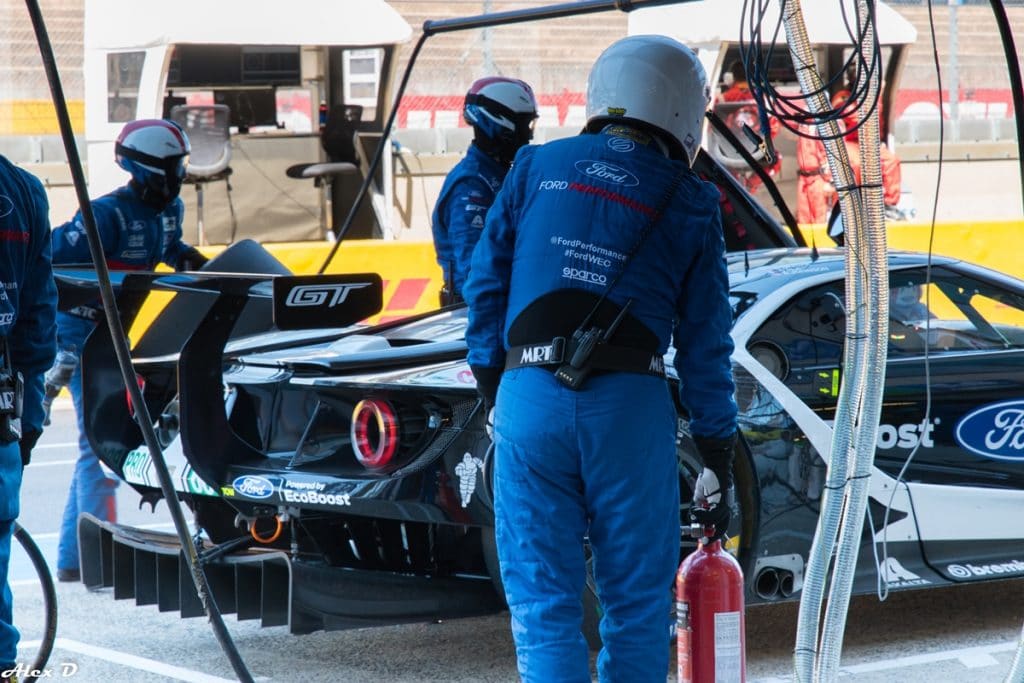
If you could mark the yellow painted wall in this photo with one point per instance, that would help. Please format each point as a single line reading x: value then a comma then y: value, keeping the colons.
x: 38, y: 117
x: 992, y: 244
x: 412, y: 278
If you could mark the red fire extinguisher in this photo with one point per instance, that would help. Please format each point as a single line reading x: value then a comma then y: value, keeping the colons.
x: 710, y: 626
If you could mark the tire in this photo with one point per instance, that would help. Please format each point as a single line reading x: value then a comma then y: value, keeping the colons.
x: 490, y: 550
x: 49, y: 600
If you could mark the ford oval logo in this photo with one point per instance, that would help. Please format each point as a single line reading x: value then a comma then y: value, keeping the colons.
x: 995, y: 431
x: 609, y: 173
x: 253, y: 487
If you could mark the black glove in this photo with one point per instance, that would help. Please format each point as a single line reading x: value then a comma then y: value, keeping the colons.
x: 713, y: 492
x: 190, y: 259
x: 27, y: 443
x: 487, y: 380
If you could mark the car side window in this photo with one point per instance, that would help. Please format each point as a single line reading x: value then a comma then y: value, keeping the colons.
x: 951, y: 312
x: 807, y: 331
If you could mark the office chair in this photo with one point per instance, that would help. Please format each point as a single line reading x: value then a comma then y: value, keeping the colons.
x: 207, y: 130
x: 337, y: 138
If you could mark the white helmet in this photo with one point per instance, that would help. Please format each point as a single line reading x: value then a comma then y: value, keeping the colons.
x: 654, y: 80
x: 155, y: 152
x: 502, y: 112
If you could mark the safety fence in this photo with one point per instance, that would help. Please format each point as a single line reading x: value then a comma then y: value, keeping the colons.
x: 554, y: 56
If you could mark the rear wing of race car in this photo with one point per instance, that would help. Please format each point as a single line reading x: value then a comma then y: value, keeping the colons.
x: 209, y: 442
x: 183, y: 349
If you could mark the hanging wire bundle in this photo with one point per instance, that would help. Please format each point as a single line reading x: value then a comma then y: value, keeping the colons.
x: 759, y: 34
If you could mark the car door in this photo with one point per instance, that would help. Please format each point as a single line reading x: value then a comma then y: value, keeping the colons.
x: 953, y: 417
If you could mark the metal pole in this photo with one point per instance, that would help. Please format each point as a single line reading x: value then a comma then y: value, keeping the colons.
x: 123, y: 353
x: 954, y: 67
x: 433, y: 27
x: 489, y: 69
x: 565, y: 9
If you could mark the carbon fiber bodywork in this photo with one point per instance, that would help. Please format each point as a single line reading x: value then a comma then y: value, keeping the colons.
x: 259, y: 428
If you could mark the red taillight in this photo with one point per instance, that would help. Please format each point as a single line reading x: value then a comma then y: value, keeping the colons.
x: 374, y: 432
x: 128, y: 395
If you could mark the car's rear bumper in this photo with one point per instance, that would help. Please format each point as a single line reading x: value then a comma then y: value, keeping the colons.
x: 269, y: 585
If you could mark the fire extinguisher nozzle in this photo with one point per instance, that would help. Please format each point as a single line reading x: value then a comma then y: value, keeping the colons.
x: 693, y: 530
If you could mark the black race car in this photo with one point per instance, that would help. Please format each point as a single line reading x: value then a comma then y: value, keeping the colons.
x: 341, y: 477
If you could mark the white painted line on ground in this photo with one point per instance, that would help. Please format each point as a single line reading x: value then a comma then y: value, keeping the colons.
x: 56, y: 534
x: 970, y: 657
x: 978, y: 660
x: 134, y: 662
x: 52, y: 463
x: 62, y: 444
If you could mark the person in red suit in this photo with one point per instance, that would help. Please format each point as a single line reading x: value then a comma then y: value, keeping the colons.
x: 815, y: 192
x: 740, y: 92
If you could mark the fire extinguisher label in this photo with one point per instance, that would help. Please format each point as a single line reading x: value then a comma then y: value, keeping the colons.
x: 683, y: 662
x: 728, y: 648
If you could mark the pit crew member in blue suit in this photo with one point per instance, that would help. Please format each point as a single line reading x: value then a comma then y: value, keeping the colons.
x: 502, y: 112
x: 140, y: 225
x: 585, y: 443
x: 28, y: 306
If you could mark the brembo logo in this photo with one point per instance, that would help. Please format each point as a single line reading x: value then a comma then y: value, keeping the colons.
x: 969, y: 571
x: 318, y: 295
x: 610, y: 173
x: 994, y: 431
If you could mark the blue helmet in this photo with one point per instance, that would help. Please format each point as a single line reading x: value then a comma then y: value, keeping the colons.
x: 502, y: 112
x: 155, y: 152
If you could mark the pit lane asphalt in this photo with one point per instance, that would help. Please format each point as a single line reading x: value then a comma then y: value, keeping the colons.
x: 968, y: 633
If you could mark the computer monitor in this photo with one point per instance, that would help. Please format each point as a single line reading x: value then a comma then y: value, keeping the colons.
x: 249, y: 106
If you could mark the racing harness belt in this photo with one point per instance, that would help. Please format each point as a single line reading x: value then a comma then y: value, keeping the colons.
x: 590, y: 348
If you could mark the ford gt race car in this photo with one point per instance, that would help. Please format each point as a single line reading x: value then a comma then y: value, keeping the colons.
x: 341, y: 477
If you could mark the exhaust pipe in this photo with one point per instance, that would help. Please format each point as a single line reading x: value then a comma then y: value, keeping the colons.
x: 766, y: 583
x: 786, y: 583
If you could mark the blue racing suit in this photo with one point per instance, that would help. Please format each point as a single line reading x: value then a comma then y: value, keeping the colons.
x: 135, y: 236
x: 28, y: 304
x: 600, y: 461
x: 460, y: 211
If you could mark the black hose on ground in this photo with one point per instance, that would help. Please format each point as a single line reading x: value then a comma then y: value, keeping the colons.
x: 121, y: 348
